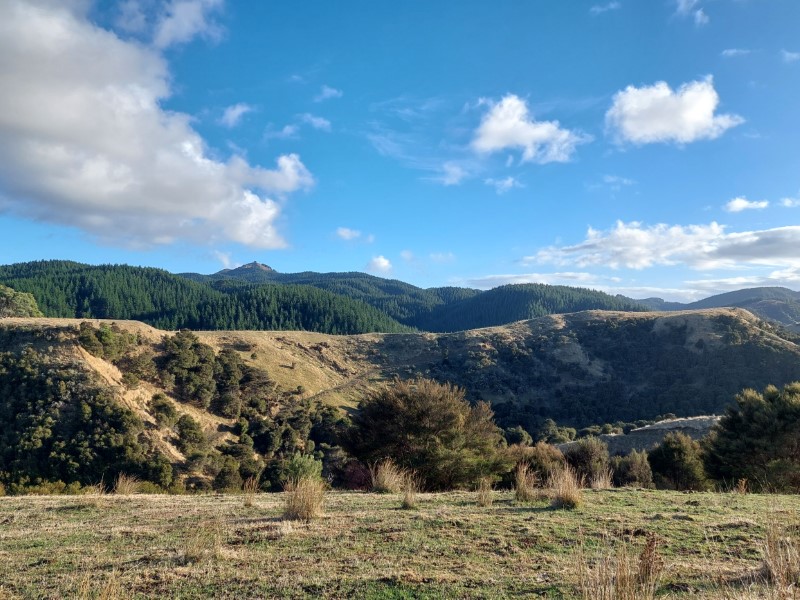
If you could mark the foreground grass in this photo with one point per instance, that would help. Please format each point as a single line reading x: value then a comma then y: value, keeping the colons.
x: 366, y: 546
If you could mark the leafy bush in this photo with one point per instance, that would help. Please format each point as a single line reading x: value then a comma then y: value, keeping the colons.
x: 163, y: 411
x: 757, y: 440
x: 589, y: 458
x: 632, y: 470
x: 190, y: 435
x: 677, y: 463
x: 430, y: 428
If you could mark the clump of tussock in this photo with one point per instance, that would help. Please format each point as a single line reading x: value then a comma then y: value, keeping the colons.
x: 411, y: 487
x: 782, y: 558
x: 110, y: 589
x: 565, y: 489
x: 125, y: 485
x: 620, y: 574
x: 484, y: 493
x: 525, y: 483
x: 204, y: 542
x: 250, y: 489
x: 602, y: 480
x: 387, y: 477
x: 742, y: 486
x: 303, y: 498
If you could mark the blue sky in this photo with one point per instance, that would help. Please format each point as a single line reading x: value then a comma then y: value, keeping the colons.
x: 645, y: 148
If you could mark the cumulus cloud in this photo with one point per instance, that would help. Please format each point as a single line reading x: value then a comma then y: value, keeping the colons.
x: 599, y: 9
x: 508, y: 125
x: 233, y: 114
x: 740, y: 204
x: 131, y: 17
x: 790, y: 57
x: 636, y: 246
x: 379, y: 265
x: 501, y: 186
x: 316, y: 122
x: 327, y: 92
x: 346, y: 233
x: 790, y: 202
x: 184, y: 19
x: 85, y: 143
x: 656, y: 113
x: 734, y: 52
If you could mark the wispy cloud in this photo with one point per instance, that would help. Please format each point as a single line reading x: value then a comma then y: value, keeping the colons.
x: 599, y: 9
x: 656, y: 113
x: 691, y: 8
x: 183, y: 20
x: 233, y: 114
x: 790, y: 57
x: 316, y: 122
x: 327, y: 92
x: 501, y: 186
x: 735, y: 52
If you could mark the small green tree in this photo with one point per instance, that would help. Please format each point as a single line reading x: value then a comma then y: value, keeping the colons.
x: 429, y: 427
x: 588, y: 457
x: 632, y: 470
x: 677, y: 463
x: 758, y: 439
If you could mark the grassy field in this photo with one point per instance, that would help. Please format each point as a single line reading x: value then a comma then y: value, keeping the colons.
x: 365, y: 546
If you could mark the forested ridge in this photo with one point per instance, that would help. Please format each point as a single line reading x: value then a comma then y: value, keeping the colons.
x: 153, y: 296
x: 262, y: 299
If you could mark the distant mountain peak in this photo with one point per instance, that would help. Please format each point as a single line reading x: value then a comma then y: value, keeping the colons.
x: 250, y: 267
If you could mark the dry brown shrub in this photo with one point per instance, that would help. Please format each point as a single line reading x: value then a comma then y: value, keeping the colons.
x: 565, y: 489
x: 250, y: 489
x: 525, y: 483
x: 204, y: 542
x: 619, y: 574
x: 603, y: 480
x: 125, y: 485
x: 411, y: 487
x: 387, y: 477
x: 485, y: 495
x: 303, y: 499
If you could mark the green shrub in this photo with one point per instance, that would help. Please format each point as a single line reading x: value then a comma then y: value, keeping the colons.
x: 228, y: 478
x: 163, y: 410
x: 677, y: 463
x: 589, y: 458
x: 190, y: 435
x: 632, y: 470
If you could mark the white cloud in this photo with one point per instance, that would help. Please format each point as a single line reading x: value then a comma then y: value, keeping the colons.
x: 701, y: 18
x: 790, y: 202
x: 508, y: 125
x: 687, y: 8
x: 501, y: 186
x: 182, y: 20
x: 327, y: 92
x: 316, y: 122
x: 740, y: 204
x: 407, y: 255
x: 656, y: 113
x: 442, y: 257
x: 287, y: 132
x: 734, y: 52
x: 635, y: 246
x: 233, y: 114
x: 379, y: 264
x: 224, y: 258
x: 599, y: 9
x: 565, y: 278
x: 790, y: 57
x: 348, y: 234
x: 452, y: 174
x: 84, y: 142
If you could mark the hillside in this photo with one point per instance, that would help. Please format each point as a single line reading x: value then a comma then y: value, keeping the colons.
x: 777, y: 304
